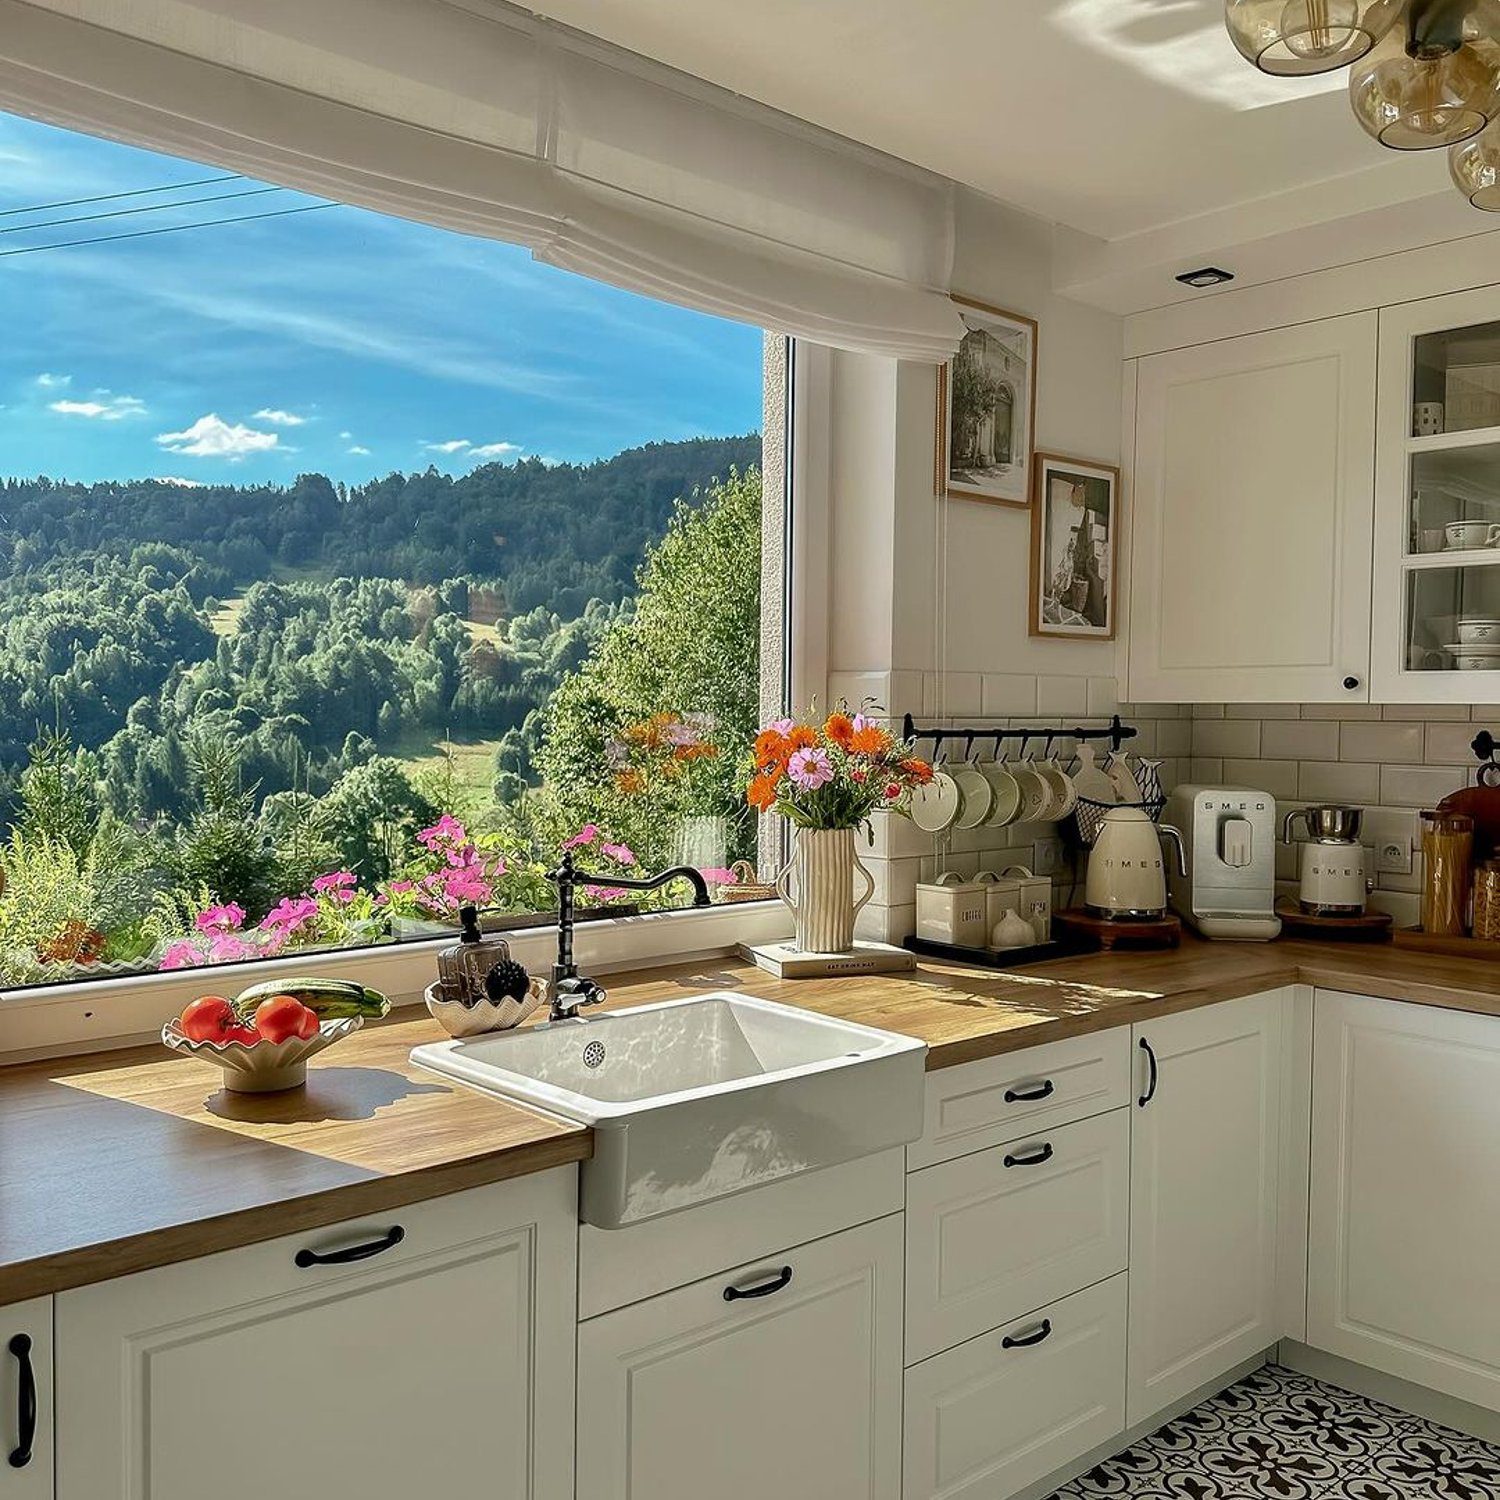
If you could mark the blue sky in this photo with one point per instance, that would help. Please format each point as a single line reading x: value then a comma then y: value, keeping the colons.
x: 339, y: 341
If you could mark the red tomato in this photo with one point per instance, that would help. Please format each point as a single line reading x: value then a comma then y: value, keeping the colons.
x: 207, y: 1019
x: 283, y: 1016
x: 309, y: 1026
x: 246, y: 1034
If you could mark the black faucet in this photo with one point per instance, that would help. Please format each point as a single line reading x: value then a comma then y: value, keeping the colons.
x: 569, y: 989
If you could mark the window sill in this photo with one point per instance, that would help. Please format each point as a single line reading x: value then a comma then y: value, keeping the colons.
x: 92, y: 1015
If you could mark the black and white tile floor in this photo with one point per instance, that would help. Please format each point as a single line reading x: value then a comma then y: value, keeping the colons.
x: 1278, y: 1435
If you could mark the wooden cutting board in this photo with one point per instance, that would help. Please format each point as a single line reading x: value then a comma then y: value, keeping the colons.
x: 1482, y: 803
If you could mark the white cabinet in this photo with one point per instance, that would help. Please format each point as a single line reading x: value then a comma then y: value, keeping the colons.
x: 430, y: 1345
x: 1437, y: 509
x: 777, y: 1379
x: 1004, y: 1410
x: 1404, y: 1257
x: 999, y: 1233
x: 26, y: 1386
x: 1251, y: 540
x: 1204, y: 1180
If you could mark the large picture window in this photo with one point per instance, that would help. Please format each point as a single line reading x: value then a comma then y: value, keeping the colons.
x: 349, y: 570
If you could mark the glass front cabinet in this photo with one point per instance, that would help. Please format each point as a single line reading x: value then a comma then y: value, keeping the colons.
x: 1435, y: 626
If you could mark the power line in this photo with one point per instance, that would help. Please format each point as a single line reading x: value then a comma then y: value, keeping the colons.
x: 140, y: 234
x: 149, y: 208
x: 167, y: 187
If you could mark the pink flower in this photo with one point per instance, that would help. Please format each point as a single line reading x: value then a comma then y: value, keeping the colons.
x: 336, y: 886
x: 810, y: 769
x: 588, y: 834
x: 467, y: 887
x: 181, y: 955
x: 680, y: 733
x: 892, y: 792
x: 290, y: 913
x: 716, y: 876
x: 856, y: 776
x: 447, y: 830
x: 621, y: 852
x: 221, y: 918
x: 781, y: 726
x: 230, y: 948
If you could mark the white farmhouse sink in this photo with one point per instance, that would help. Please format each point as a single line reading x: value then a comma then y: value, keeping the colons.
x: 696, y: 1099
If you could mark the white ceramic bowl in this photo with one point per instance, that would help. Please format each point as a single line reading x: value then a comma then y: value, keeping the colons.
x: 1476, y: 658
x: 1478, y: 632
x: 460, y: 1020
x: 267, y: 1066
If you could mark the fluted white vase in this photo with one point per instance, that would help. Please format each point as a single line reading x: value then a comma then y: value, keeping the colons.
x: 817, y: 884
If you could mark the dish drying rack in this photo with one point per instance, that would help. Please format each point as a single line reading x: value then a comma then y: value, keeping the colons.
x: 1087, y: 816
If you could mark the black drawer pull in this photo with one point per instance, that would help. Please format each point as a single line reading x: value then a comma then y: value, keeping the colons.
x: 20, y: 1455
x: 761, y: 1289
x: 1029, y: 1096
x: 1037, y: 1157
x: 1150, y: 1093
x: 1027, y: 1340
x: 388, y: 1241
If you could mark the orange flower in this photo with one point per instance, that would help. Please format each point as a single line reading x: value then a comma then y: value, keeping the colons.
x: 771, y: 749
x: 800, y: 737
x: 761, y: 793
x: 919, y: 771
x: 870, y: 739
x: 630, y: 782
x: 840, y: 730
x: 700, y: 751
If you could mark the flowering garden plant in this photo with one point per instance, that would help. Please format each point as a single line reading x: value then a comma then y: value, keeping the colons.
x: 833, y: 775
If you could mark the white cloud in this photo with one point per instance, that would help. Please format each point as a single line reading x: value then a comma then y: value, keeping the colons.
x: 187, y: 484
x: 356, y: 451
x: 51, y: 382
x: 453, y: 445
x: 279, y: 418
x: 101, y: 407
x: 494, y: 450
x: 212, y: 437
x: 345, y: 436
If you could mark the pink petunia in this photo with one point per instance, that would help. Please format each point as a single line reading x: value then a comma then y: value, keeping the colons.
x: 810, y: 769
x: 224, y: 918
x: 716, y: 876
x: 181, y: 955
x: 334, y: 883
x: 447, y: 830
x: 588, y: 834
x: 781, y: 726
x: 290, y: 913
x: 621, y: 852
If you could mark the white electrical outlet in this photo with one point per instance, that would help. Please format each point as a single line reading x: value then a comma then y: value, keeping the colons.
x: 1393, y: 856
x: 1046, y: 857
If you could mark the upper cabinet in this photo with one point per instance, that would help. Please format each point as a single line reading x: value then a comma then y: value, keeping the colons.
x: 1436, y: 624
x: 1253, y: 517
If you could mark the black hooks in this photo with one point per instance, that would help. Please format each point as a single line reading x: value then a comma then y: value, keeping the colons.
x: 1116, y: 734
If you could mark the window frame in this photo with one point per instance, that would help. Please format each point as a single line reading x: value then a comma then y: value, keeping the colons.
x: 94, y: 1014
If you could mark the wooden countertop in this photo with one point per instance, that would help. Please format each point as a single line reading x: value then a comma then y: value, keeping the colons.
x: 120, y: 1161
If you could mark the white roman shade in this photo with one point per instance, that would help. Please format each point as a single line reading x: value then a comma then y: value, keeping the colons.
x: 480, y: 118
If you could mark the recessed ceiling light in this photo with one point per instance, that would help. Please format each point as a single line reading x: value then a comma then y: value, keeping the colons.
x: 1206, y: 276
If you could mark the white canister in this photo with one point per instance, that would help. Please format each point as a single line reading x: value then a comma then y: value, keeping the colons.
x: 1036, y: 899
x: 1002, y: 894
x: 953, y: 910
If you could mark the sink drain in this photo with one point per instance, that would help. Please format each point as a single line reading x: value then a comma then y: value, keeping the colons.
x: 593, y: 1054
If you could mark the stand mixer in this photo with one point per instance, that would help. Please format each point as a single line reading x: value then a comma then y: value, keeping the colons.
x: 1331, y: 867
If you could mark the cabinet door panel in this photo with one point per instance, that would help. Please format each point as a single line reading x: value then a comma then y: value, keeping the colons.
x: 1254, y: 479
x: 218, y: 1378
x: 1404, y: 1258
x: 796, y: 1393
x: 1203, y: 1198
x: 26, y: 1400
x: 987, y: 1242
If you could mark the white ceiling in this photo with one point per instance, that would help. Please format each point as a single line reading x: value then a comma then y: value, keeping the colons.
x: 1132, y: 121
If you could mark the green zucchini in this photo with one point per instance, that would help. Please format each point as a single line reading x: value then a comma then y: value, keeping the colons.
x: 332, y: 999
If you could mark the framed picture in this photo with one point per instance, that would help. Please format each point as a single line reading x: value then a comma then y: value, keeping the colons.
x: 1075, y: 540
x: 987, y: 408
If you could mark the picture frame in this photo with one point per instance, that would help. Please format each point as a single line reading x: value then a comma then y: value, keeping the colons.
x: 1075, y: 548
x: 986, y: 408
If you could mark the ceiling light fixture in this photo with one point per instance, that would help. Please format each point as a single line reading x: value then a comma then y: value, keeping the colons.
x: 1423, y: 73
x: 1206, y: 276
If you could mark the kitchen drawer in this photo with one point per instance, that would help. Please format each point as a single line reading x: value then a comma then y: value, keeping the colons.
x: 990, y: 1237
x: 987, y: 1419
x: 983, y: 1103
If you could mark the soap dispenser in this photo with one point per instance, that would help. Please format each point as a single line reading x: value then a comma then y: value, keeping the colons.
x: 462, y: 966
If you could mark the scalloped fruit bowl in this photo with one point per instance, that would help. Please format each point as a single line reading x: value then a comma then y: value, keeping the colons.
x: 267, y: 1066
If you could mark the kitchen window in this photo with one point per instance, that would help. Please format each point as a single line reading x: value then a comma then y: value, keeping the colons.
x: 350, y: 568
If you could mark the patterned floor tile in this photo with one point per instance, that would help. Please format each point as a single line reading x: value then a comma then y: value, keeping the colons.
x: 1279, y: 1435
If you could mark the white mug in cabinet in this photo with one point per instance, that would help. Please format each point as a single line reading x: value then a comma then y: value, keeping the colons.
x: 1427, y: 418
x: 1462, y: 535
x: 953, y: 910
x: 1475, y: 632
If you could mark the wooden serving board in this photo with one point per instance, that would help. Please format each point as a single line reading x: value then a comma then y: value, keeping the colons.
x: 1349, y: 927
x: 1159, y: 932
x: 1455, y: 945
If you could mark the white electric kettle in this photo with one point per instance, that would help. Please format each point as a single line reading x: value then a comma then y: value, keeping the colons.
x: 1127, y: 880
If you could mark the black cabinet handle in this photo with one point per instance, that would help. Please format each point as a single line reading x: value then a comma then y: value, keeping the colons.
x: 1151, y: 1076
x: 1030, y: 1096
x: 1037, y: 1157
x: 20, y: 1455
x: 1351, y: 683
x: 388, y: 1241
x: 761, y: 1289
x: 1027, y: 1340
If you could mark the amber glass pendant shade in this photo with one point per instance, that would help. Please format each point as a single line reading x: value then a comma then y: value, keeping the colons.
x: 1437, y: 97
x: 1474, y: 165
x: 1296, y: 37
